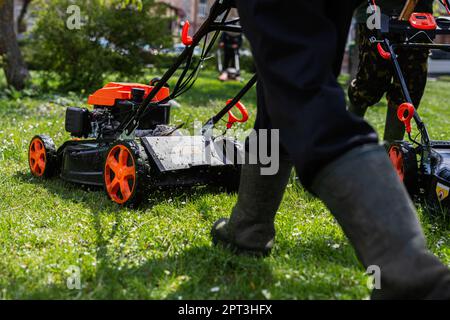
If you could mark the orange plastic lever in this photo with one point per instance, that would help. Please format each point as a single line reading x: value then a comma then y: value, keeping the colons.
x: 185, y: 38
x: 405, y: 113
x: 232, y: 118
x: 383, y: 53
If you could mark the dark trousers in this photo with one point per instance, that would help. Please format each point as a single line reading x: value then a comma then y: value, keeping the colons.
x: 229, y: 58
x: 298, y: 47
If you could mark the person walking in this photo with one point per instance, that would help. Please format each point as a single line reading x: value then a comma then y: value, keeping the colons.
x: 375, y: 76
x: 336, y: 154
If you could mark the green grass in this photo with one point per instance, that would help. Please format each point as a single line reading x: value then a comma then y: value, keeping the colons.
x: 163, y: 250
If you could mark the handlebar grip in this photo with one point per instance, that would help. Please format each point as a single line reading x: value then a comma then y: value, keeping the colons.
x: 405, y: 113
x: 383, y: 53
x: 232, y: 118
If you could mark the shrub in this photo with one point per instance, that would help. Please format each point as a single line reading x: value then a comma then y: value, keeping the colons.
x: 111, y: 39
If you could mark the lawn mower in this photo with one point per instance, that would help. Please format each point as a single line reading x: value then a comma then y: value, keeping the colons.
x: 126, y: 144
x: 422, y: 164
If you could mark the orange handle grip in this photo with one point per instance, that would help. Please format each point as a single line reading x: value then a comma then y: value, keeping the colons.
x: 405, y: 113
x: 232, y: 118
x: 383, y: 53
x: 185, y: 38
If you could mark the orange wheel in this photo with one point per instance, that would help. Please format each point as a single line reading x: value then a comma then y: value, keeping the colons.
x: 120, y: 174
x: 42, y: 156
x: 404, y: 159
x: 396, y: 156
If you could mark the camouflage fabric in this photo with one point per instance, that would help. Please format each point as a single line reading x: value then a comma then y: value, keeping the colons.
x: 391, y: 8
x: 375, y: 76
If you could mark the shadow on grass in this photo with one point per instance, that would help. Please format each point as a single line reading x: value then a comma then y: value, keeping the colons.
x: 200, y: 272
x: 437, y: 214
x: 212, y: 273
x: 192, y: 274
x: 97, y: 200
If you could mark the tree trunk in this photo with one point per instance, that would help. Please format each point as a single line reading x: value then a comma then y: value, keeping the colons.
x: 13, y: 64
x: 21, y: 23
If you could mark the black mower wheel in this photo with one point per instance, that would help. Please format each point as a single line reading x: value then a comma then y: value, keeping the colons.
x: 404, y: 159
x: 42, y: 157
x: 126, y: 173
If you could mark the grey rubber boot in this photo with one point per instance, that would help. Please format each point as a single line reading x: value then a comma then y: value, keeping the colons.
x: 394, y: 129
x: 373, y: 208
x: 250, y: 229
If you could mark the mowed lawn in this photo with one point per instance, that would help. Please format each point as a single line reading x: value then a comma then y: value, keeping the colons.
x: 163, y: 250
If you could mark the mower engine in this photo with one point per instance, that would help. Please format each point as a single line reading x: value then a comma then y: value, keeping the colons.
x: 111, y: 106
x: 439, y: 180
x: 425, y: 171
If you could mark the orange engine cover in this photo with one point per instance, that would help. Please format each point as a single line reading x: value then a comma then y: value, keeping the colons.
x: 113, y: 91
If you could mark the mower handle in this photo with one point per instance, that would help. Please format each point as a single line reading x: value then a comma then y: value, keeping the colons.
x: 446, y: 4
x: 217, y: 9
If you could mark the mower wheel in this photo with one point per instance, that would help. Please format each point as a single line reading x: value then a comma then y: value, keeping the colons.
x: 404, y: 159
x: 42, y: 157
x: 126, y: 173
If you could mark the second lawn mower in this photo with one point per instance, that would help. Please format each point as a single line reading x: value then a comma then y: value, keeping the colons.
x: 422, y: 164
x: 126, y: 143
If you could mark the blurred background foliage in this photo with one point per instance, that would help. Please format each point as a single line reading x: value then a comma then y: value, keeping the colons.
x: 119, y: 40
x: 115, y: 37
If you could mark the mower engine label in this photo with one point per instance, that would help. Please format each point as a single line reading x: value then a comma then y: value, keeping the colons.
x: 442, y: 191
